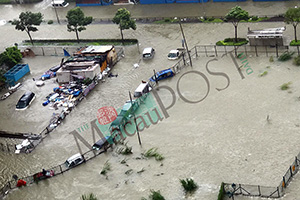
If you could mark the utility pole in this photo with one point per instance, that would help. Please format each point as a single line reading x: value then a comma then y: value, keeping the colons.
x: 136, y: 126
x: 55, y: 11
x: 187, y: 49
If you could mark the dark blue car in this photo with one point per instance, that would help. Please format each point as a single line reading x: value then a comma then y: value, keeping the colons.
x: 167, y: 73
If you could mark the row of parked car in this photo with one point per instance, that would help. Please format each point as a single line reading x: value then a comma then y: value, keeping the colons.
x: 128, y: 108
x: 149, y: 52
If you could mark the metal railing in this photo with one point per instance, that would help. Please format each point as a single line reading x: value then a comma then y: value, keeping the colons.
x: 264, y: 191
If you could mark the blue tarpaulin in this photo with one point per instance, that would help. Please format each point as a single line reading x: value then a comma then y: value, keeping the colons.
x: 66, y: 53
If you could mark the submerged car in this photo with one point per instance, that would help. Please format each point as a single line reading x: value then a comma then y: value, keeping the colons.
x: 142, y: 89
x: 74, y: 160
x: 148, y: 53
x: 174, y: 55
x: 103, y: 143
x: 25, y: 100
x: 167, y: 73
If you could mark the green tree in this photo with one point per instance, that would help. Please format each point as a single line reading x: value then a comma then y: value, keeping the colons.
x: 27, y: 22
x: 235, y: 15
x: 10, y: 57
x: 77, y: 21
x: 292, y: 16
x: 123, y: 19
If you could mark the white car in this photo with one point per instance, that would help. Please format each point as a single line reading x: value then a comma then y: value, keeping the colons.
x: 74, y: 160
x: 174, y: 55
x: 59, y: 4
x: 148, y: 53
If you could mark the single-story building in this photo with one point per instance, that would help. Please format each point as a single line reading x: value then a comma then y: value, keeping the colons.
x: 71, y: 71
x: 266, y: 37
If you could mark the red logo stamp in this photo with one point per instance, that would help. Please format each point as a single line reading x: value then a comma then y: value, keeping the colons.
x: 106, y: 114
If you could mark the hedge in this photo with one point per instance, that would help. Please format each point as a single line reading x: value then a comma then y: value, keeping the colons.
x: 221, y: 192
x: 70, y: 42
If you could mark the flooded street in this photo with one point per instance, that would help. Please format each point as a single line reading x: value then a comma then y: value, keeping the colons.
x: 225, y: 137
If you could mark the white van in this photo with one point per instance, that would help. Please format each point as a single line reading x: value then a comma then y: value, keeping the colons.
x: 143, y: 88
x: 59, y: 4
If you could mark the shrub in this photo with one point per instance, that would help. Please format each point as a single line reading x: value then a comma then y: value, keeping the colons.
x: 285, y: 86
x: 153, y: 153
x: 155, y: 195
x: 221, y: 192
x: 125, y: 151
x: 90, y: 196
x: 271, y: 59
x: 286, y: 56
x: 263, y: 74
x: 105, y: 168
x: 50, y: 22
x: 254, y: 18
x: 189, y: 185
x: 297, y: 60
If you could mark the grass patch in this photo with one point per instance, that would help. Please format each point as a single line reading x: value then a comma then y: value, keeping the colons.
x: 294, y: 43
x: 297, y: 61
x: 231, y: 42
x: 188, y: 185
x: 263, y: 74
x: 105, y: 168
x: 211, y: 20
x: 285, y: 86
x: 286, y: 56
x: 153, y: 153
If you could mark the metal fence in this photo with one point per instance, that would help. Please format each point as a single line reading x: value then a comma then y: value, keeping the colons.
x: 57, y: 50
x: 255, y: 51
x: 264, y: 191
x: 59, y: 169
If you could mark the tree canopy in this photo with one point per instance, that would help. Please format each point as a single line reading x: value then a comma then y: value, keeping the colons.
x: 77, y: 21
x: 235, y: 15
x: 292, y: 16
x: 28, y: 21
x: 11, y: 56
x: 123, y: 19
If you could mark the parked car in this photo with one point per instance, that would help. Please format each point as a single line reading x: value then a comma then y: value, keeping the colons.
x: 174, y: 54
x: 124, y: 116
x: 143, y: 88
x: 167, y: 73
x: 104, y: 142
x: 148, y: 53
x: 59, y: 4
x: 74, y: 160
x: 25, y: 100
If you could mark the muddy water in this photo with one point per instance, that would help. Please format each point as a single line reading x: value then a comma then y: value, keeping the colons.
x: 224, y: 138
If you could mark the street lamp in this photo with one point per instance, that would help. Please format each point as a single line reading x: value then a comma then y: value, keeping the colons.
x: 187, y: 49
x: 55, y: 11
